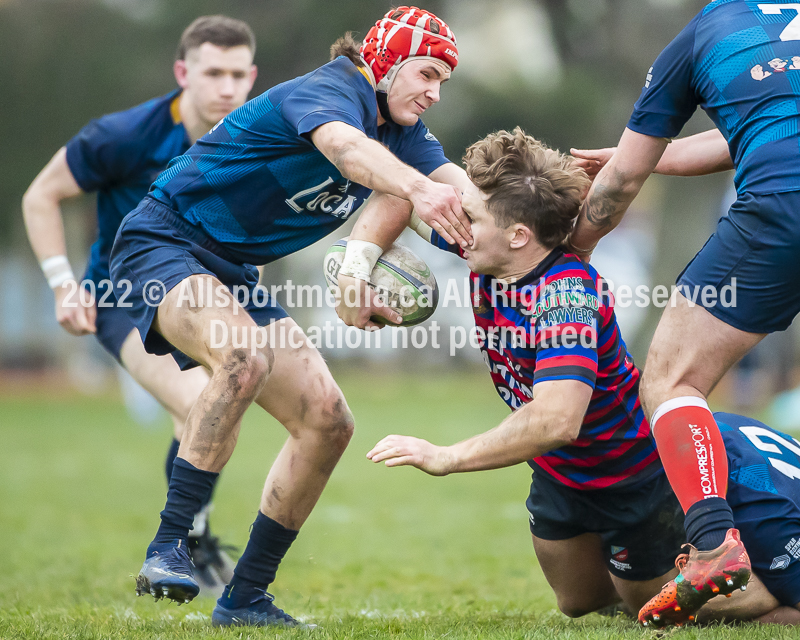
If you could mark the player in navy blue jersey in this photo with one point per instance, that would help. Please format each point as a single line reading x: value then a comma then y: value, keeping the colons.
x: 605, y: 523
x: 737, y: 60
x: 118, y: 156
x: 764, y: 495
x: 271, y: 178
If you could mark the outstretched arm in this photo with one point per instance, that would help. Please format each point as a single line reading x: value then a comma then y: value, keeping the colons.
x: 552, y: 419
x: 369, y: 163
x: 696, y: 155
x: 615, y: 187
x: 41, y: 210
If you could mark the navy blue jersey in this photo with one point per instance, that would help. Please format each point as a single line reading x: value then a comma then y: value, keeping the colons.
x: 740, y: 61
x: 118, y: 156
x: 558, y: 323
x: 764, y: 494
x: 257, y: 185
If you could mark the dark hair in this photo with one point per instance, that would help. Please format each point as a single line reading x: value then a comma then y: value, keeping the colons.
x: 528, y: 183
x: 221, y: 31
x: 346, y: 46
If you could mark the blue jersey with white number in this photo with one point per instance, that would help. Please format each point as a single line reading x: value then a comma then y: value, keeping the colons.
x: 764, y: 494
x: 257, y: 185
x: 739, y: 60
x: 118, y: 156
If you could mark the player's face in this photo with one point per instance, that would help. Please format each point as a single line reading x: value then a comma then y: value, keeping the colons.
x: 489, y: 252
x: 216, y: 80
x: 415, y: 88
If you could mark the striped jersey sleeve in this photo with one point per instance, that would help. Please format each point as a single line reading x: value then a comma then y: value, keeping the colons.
x: 565, y: 332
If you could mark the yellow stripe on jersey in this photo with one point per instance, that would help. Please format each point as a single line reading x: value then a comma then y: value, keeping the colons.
x: 366, y: 75
x: 175, y: 109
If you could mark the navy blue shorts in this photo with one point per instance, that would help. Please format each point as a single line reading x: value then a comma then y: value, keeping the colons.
x: 156, y: 249
x: 113, y: 326
x: 754, y: 253
x: 641, y: 526
x: 764, y: 495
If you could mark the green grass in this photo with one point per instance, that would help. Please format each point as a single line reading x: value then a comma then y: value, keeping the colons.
x: 386, y: 553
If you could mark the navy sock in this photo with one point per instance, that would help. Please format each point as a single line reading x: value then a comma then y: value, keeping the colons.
x: 707, y: 522
x: 256, y: 569
x: 189, y: 489
x: 172, y: 453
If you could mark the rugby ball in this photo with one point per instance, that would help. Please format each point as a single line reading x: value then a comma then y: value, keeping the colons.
x: 401, y: 277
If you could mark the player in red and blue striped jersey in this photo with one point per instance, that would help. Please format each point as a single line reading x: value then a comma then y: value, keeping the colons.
x: 604, y: 520
x: 557, y: 323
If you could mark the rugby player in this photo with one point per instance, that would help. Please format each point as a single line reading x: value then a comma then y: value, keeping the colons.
x: 717, y: 62
x: 274, y: 176
x: 764, y: 495
x: 604, y: 520
x: 117, y: 156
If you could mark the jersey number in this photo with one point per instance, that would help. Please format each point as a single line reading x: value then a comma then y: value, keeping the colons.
x: 792, y: 30
x: 755, y: 435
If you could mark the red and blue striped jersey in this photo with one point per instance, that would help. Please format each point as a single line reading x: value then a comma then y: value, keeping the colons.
x: 558, y: 323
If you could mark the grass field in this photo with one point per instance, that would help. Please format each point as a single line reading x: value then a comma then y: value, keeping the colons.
x: 387, y: 552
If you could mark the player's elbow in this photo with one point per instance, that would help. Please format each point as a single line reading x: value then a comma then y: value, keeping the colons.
x: 29, y: 197
x: 566, y: 428
x: 32, y: 200
x: 344, y: 157
x: 625, y: 185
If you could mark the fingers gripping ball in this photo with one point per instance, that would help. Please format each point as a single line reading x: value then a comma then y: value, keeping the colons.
x: 403, y: 280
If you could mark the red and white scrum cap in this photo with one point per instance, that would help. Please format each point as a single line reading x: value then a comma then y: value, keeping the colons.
x: 402, y: 35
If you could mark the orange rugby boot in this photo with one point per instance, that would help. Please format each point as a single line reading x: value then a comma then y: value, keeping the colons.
x: 703, y: 575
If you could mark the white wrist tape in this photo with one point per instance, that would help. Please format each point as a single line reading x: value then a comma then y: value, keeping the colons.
x: 419, y: 227
x: 360, y: 259
x: 57, y: 271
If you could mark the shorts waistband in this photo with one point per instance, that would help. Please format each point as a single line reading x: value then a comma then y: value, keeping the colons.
x: 190, y: 231
x: 651, y: 473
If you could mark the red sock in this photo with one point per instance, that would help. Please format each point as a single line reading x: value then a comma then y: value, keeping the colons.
x: 691, y: 450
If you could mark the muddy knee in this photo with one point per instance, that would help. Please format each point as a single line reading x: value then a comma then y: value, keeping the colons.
x: 244, y: 373
x: 336, y: 423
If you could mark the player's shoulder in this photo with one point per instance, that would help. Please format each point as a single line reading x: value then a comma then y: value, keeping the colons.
x: 338, y: 74
x: 131, y: 119
x: 136, y: 125
x: 724, y: 7
x: 563, y: 264
x: 343, y: 67
x: 723, y: 19
x: 732, y: 423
